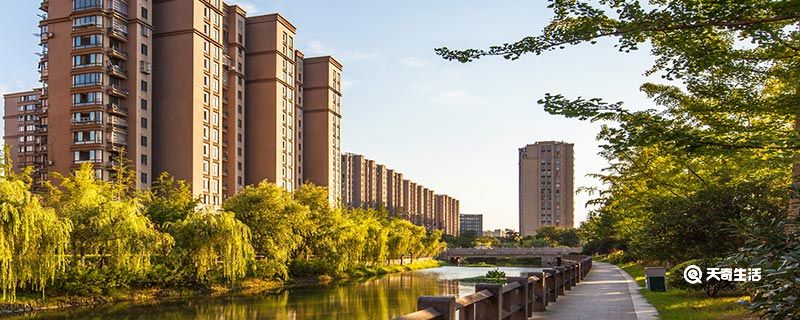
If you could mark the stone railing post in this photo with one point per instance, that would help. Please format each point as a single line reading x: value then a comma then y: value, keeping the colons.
x: 550, y: 284
x: 490, y: 309
x: 444, y: 305
x: 568, y: 277
x: 560, y: 280
x: 518, y: 297
x: 538, y: 292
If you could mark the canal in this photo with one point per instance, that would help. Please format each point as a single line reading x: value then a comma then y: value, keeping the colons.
x: 381, y: 298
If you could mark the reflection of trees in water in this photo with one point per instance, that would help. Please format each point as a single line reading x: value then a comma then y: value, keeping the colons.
x: 383, y: 298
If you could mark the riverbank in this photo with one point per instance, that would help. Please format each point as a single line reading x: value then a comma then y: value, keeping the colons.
x: 682, y: 304
x: 31, y: 302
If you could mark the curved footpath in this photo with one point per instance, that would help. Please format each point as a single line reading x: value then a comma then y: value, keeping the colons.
x: 607, y: 293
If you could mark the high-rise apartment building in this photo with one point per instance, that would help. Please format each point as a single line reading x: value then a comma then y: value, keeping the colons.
x: 322, y: 124
x: 471, y: 224
x: 96, y: 66
x: 25, y: 132
x: 271, y: 92
x: 546, y: 188
x: 367, y: 184
x: 190, y: 87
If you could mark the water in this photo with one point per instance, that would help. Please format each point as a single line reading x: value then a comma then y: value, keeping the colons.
x: 382, y: 298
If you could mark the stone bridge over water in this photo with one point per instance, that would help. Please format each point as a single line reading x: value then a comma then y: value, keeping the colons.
x: 549, y: 256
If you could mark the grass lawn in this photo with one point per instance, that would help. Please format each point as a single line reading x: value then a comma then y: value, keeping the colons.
x: 682, y: 304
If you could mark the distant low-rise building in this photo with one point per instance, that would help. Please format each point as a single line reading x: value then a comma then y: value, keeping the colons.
x: 471, y: 224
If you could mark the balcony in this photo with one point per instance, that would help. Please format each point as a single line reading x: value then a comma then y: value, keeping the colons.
x: 117, y: 71
x: 117, y: 53
x: 116, y: 109
x: 118, y: 34
x: 118, y: 91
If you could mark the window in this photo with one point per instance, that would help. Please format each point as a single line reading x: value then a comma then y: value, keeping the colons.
x: 86, y: 4
x: 144, y: 13
x: 144, y: 141
x: 144, y: 160
x: 144, y: 49
x: 89, y: 21
x: 144, y: 86
x: 87, y: 79
x: 87, y: 60
x: 144, y: 177
x: 144, y: 122
x: 143, y: 103
x: 91, y: 40
x: 80, y: 99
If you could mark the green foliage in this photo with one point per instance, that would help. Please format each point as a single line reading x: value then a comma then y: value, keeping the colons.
x: 567, y: 237
x: 485, y: 241
x: 711, y: 287
x: 618, y: 257
x: 206, y: 240
x: 115, y: 245
x: 496, y: 274
x: 107, y: 222
x: 169, y: 200
x: 33, y: 239
x: 275, y: 221
x: 777, y: 253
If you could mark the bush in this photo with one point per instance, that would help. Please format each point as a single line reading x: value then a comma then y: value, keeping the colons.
x: 496, y: 274
x: 618, y: 257
x: 311, y: 268
x: 676, y: 280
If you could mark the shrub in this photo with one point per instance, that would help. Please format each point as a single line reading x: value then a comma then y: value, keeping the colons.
x: 676, y: 280
x: 618, y: 257
x: 496, y: 274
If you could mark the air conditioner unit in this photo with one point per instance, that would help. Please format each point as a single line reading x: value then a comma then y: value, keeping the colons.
x: 146, y: 67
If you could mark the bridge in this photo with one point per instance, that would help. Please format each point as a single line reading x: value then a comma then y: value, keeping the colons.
x: 549, y: 256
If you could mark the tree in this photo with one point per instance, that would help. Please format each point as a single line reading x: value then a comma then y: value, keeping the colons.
x: 169, y: 200
x: 208, y: 240
x: 733, y: 98
x: 33, y: 239
x: 274, y: 219
x: 108, y: 221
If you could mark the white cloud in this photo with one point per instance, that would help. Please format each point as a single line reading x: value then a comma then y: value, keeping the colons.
x: 317, y: 48
x: 347, y: 84
x: 412, y: 62
x: 250, y: 7
x: 453, y: 97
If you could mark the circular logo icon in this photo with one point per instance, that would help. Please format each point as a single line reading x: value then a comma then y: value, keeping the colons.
x: 693, y: 274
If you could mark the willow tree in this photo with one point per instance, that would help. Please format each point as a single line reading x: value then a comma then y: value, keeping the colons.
x: 108, y: 221
x: 276, y: 222
x: 208, y: 241
x: 33, y: 239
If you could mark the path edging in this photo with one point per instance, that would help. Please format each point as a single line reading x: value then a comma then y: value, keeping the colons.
x: 643, y: 309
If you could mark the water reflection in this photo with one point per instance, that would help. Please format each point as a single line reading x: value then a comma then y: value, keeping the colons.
x: 382, y: 298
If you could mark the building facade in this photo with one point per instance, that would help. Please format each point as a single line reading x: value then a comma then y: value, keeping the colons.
x: 195, y: 88
x: 546, y: 186
x: 367, y: 184
x: 25, y: 132
x: 471, y: 224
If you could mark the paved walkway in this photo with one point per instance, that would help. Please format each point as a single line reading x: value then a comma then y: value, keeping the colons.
x: 607, y: 293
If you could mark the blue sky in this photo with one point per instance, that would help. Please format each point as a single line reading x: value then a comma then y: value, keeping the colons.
x: 452, y: 127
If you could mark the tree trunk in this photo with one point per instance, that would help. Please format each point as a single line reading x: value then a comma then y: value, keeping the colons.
x: 794, y: 202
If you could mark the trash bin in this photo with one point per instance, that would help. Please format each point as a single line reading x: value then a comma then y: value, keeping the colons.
x: 656, y: 278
